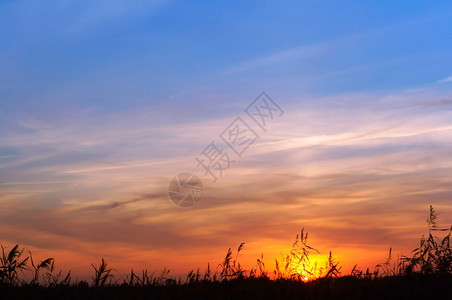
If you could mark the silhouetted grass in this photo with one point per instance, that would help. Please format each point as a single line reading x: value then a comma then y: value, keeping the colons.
x: 425, y: 274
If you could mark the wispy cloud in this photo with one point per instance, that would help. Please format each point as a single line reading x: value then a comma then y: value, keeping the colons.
x: 330, y: 165
x: 445, y: 80
x: 297, y: 53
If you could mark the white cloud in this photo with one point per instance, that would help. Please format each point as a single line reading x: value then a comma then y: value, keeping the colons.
x: 444, y: 80
x: 295, y: 53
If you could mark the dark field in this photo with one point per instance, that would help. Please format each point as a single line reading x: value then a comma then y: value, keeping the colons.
x: 424, y: 274
x: 398, y: 287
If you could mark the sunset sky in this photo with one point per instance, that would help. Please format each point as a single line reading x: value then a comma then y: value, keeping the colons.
x: 103, y: 102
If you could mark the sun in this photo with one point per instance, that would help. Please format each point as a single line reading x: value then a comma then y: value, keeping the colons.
x: 307, y: 270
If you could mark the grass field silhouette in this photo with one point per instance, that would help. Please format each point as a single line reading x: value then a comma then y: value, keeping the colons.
x: 426, y: 273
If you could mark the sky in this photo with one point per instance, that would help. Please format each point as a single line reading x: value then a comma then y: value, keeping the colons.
x: 103, y: 102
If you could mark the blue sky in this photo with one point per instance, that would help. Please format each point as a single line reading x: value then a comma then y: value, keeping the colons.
x: 110, y: 55
x: 103, y: 102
